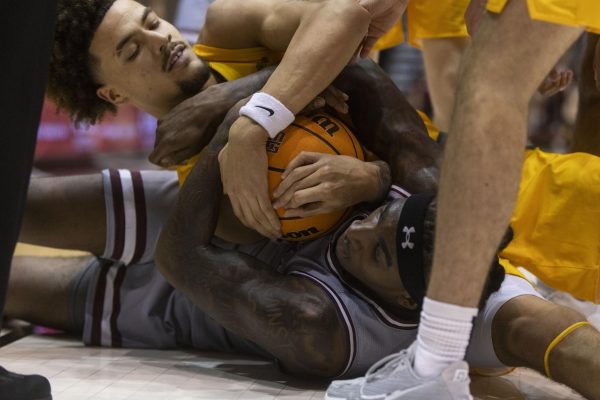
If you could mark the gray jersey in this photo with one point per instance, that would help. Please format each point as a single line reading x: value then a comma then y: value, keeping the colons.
x: 371, y: 331
x: 130, y: 304
x: 128, y: 301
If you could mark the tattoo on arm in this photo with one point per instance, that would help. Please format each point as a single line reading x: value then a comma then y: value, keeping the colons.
x: 390, y: 127
x: 288, y: 316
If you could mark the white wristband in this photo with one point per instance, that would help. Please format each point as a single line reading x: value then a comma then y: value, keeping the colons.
x: 268, y: 112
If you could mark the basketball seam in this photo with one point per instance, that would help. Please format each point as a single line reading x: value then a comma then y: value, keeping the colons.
x: 318, y: 136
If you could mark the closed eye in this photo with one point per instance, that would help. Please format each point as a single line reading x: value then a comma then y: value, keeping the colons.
x: 154, y: 25
x: 381, y: 253
x: 134, y: 54
x: 377, y: 253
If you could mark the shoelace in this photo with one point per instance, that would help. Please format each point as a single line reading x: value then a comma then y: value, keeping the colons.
x: 382, y: 368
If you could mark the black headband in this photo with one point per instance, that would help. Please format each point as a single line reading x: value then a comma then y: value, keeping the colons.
x: 409, y: 244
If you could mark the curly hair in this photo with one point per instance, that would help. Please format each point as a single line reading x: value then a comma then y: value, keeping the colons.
x: 71, y: 83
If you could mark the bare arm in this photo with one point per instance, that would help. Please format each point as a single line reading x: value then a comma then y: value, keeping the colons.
x: 586, y: 136
x: 66, y: 212
x: 388, y: 125
x: 288, y: 316
x: 318, y: 37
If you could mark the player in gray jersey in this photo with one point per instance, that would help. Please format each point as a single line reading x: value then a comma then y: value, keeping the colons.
x: 326, y: 308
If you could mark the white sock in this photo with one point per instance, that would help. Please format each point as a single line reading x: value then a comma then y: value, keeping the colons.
x: 443, y: 336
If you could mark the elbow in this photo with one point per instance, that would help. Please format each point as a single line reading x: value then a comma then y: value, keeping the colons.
x: 325, y: 345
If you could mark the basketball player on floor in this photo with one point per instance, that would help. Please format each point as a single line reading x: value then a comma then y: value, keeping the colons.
x: 318, y: 309
x: 113, y: 94
x: 497, y: 166
x: 432, y: 355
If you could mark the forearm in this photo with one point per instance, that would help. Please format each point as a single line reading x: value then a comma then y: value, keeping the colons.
x: 325, y: 41
x: 586, y: 136
x: 389, y: 126
x: 246, y: 86
x: 237, y: 291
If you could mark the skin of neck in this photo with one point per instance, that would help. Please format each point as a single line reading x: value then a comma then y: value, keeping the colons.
x: 159, y: 112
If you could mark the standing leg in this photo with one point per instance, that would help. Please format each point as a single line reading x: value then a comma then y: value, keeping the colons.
x: 509, y: 56
x: 442, y: 61
x: 23, y: 72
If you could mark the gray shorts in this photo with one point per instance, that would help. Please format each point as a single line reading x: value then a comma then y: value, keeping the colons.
x: 128, y: 303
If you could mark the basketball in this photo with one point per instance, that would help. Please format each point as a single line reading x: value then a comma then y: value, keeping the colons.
x: 319, y: 133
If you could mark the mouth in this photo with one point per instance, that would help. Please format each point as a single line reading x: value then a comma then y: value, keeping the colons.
x: 174, y: 58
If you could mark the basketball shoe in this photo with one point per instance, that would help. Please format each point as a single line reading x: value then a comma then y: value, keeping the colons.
x: 393, y: 378
x: 23, y: 387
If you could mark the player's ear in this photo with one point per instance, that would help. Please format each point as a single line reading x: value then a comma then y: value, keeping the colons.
x: 111, y: 95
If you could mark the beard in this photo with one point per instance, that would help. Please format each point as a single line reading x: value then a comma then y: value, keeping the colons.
x: 194, y: 84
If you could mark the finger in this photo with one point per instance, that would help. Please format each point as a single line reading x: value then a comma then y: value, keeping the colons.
x: 368, y: 46
x: 176, y: 157
x: 336, y: 99
x: 336, y: 102
x: 163, y: 148
x: 270, y: 217
x: 304, y: 158
x: 319, y: 193
x: 285, y: 199
x: 248, y: 212
x: 338, y: 93
x: 308, y: 210
x: 567, y: 78
x: 316, y: 104
x: 294, y: 178
x: 257, y: 218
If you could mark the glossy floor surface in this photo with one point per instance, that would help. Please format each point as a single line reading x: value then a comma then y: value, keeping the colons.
x: 79, y: 373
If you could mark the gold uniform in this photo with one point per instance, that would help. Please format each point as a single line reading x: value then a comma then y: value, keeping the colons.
x: 556, y: 221
x: 233, y: 64
x: 435, y: 19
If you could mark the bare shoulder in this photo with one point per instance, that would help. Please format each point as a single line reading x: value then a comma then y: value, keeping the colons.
x: 235, y: 24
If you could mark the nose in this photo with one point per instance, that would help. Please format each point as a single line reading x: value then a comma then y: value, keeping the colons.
x: 360, y: 235
x: 159, y: 42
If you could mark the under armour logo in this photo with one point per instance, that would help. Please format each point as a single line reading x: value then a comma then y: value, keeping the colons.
x: 271, y: 112
x: 461, y: 375
x: 407, y: 232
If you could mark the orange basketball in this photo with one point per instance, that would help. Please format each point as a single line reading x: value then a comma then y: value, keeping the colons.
x: 319, y: 133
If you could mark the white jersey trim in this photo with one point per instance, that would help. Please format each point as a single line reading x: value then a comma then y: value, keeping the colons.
x: 342, y: 309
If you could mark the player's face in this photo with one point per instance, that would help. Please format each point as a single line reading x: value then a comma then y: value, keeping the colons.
x: 371, y: 242
x: 367, y: 250
x: 144, y: 60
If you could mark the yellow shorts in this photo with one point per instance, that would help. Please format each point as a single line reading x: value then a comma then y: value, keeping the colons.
x: 584, y: 13
x: 428, y: 19
x: 556, y: 222
x: 434, y: 19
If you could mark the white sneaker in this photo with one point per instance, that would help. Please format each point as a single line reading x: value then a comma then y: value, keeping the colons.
x: 393, y: 378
